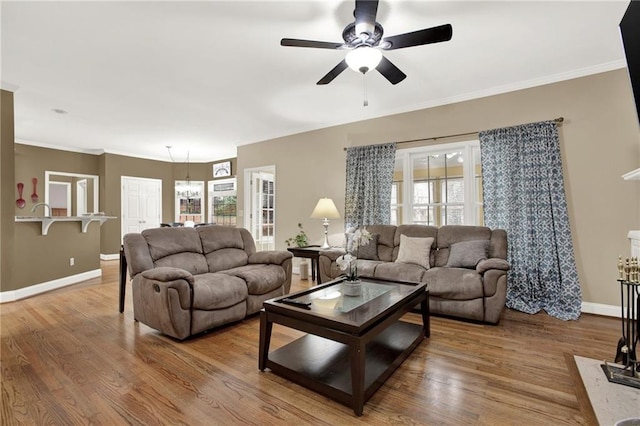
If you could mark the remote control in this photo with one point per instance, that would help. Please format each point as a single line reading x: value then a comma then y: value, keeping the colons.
x: 297, y: 303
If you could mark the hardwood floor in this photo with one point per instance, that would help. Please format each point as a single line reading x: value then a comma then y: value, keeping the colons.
x: 69, y: 357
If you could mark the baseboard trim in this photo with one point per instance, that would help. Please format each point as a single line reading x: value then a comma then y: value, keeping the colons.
x: 600, y: 309
x: 110, y: 256
x: 32, y: 290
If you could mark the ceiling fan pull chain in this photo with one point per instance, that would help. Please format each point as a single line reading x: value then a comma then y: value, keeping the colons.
x: 365, y: 102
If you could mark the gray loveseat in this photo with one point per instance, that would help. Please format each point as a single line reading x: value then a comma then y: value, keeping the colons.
x: 466, y: 271
x: 188, y: 280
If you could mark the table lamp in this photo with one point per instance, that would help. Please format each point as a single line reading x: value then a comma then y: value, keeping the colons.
x: 325, y: 209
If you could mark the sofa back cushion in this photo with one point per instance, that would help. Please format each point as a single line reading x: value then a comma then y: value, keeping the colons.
x: 451, y: 234
x: 386, y: 235
x: 176, y: 247
x: 225, y: 247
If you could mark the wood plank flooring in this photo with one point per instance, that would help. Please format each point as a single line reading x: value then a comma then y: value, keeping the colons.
x: 69, y: 357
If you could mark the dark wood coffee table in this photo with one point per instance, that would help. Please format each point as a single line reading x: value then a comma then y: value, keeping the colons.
x: 353, y: 343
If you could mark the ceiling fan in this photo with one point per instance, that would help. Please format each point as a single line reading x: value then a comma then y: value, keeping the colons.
x: 363, y: 39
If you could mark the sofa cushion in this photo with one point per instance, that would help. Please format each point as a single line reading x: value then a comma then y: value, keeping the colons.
x: 454, y: 283
x: 367, y: 268
x: 369, y: 251
x: 224, y: 247
x: 451, y: 234
x: 386, y: 237
x: 415, y: 250
x: 226, y: 258
x: 219, y: 237
x: 467, y: 254
x: 217, y: 291
x: 400, y: 271
x: 260, y: 279
x: 176, y: 247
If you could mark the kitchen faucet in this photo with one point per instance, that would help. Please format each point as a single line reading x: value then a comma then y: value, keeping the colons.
x: 33, y: 209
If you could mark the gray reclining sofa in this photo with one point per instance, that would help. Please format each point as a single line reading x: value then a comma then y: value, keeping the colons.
x: 466, y: 272
x: 188, y: 280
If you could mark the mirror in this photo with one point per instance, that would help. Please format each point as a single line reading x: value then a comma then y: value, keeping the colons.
x: 70, y: 194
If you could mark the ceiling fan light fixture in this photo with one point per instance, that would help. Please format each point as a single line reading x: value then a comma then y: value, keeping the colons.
x: 363, y: 59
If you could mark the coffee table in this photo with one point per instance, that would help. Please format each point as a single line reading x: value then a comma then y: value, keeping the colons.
x: 353, y: 343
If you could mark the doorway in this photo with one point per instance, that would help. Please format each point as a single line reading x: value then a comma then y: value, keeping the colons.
x: 58, y: 197
x: 260, y: 198
x: 141, y: 202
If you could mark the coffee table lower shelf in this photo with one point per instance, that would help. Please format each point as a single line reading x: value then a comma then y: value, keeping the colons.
x: 324, y: 365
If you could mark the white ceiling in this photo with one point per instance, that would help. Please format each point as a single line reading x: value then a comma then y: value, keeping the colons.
x: 206, y: 77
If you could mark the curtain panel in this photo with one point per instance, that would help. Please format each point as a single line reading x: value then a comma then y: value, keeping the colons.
x: 368, y: 186
x: 523, y: 190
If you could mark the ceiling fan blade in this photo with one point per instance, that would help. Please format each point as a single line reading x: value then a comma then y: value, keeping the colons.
x: 390, y: 71
x: 294, y: 42
x: 365, y: 14
x: 333, y: 73
x: 418, y: 38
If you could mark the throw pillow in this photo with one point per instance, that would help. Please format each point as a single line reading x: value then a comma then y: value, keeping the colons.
x: 414, y: 250
x: 467, y: 254
x: 369, y: 251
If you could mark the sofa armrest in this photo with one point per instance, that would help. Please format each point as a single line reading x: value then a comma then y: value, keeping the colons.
x: 167, y: 274
x: 163, y: 298
x: 492, y: 263
x: 333, y: 253
x: 274, y: 257
x: 168, y: 277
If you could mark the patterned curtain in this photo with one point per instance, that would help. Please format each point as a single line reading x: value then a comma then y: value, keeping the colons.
x: 368, y: 188
x: 523, y: 192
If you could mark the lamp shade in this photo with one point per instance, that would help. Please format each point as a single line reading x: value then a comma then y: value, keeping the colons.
x: 325, y: 209
x: 363, y: 59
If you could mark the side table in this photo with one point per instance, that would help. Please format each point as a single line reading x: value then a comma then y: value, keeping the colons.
x: 309, y: 252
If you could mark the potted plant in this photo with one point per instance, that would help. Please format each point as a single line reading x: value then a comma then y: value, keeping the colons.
x: 348, y: 261
x: 299, y: 240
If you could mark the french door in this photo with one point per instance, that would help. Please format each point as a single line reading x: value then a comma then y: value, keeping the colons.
x: 260, y: 201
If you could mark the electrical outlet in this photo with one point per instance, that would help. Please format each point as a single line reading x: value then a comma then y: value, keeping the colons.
x: 72, y: 261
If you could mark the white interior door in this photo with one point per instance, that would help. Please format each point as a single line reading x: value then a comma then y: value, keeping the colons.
x: 141, y: 204
x: 261, y: 206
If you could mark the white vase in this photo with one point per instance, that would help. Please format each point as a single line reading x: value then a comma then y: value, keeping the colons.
x: 352, y: 288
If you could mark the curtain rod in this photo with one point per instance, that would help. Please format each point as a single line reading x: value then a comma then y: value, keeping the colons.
x: 558, y: 121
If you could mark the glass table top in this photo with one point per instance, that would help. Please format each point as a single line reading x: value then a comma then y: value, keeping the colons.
x: 334, y: 298
x: 329, y: 301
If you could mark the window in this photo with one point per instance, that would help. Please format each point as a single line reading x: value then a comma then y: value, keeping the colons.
x: 445, y: 183
x: 222, y: 202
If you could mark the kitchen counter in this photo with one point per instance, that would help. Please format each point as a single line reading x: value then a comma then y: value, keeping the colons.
x: 48, y: 220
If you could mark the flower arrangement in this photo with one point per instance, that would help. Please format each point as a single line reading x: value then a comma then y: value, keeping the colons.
x: 299, y: 240
x: 347, y: 262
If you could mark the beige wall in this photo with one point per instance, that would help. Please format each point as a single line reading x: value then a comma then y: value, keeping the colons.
x: 33, y: 258
x: 41, y: 258
x: 112, y: 167
x: 600, y: 141
x: 32, y: 162
x: 7, y: 190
